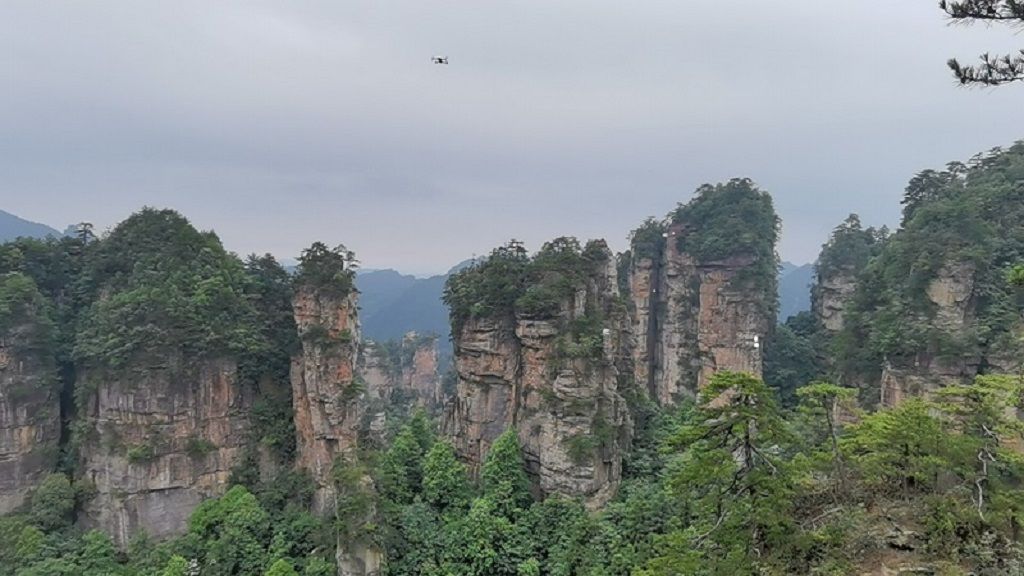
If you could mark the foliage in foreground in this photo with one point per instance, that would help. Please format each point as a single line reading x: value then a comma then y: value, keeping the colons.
x: 731, y: 486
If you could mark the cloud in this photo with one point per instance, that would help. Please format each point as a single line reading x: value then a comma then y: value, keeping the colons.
x: 282, y: 123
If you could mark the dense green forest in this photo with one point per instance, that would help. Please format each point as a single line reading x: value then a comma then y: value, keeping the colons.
x: 792, y: 474
x: 733, y: 487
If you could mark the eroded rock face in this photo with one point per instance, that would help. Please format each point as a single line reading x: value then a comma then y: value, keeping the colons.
x: 406, y: 373
x: 421, y: 379
x: 29, y: 416
x: 731, y: 324
x: 561, y: 395
x: 952, y: 294
x: 327, y: 403
x: 644, y: 277
x: 159, y: 438
x: 692, y: 319
x: 829, y: 298
x: 330, y: 405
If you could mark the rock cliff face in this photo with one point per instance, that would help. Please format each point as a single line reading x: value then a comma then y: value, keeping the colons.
x: 159, y: 438
x: 325, y: 394
x: 404, y: 373
x: 644, y: 279
x: 421, y: 379
x: 29, y: 415
x: 951, y: 293
x: 552, y: 377
x: 693, y: 318
x: 399, y: 376
x: 330, y: 404
x: 829, y: 297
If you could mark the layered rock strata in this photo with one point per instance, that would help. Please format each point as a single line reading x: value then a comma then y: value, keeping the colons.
x: 692, y: 318
x: 158, y: 439
x: 29, y: 415
x: 558, y: 389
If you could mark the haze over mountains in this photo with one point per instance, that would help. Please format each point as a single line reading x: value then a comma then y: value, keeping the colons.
x: 12, y: 227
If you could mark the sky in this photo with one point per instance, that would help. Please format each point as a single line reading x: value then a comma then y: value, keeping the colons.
x: 282, y: 123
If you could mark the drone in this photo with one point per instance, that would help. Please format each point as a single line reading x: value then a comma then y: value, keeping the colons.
x: 439, y: 60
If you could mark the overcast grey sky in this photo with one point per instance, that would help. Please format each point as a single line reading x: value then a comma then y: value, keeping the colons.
x: 280, y: 123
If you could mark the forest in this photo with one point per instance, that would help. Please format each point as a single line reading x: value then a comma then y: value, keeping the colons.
x: 894, y: 437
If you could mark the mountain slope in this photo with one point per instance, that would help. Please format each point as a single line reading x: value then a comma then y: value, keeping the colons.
x: 794, y: 289
x: 12, y: 227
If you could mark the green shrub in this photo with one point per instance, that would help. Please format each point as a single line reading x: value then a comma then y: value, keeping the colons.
x: 53, y: 503
x: 198, y: 447
x: 140, y: 454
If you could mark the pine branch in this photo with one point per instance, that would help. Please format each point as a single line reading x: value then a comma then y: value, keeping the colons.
x: 992, y: 71
x: 989, y: 10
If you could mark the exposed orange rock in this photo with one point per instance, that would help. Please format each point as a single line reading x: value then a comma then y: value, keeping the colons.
x: 572, y: 421
x: 327, y: 406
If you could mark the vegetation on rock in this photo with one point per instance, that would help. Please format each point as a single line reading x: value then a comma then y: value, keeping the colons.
x: 961, y: 229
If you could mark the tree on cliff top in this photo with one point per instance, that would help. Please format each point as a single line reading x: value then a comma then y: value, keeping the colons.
x: 992, y: 70
x: 327, y: 270
x: 735, y: 219
x: 165, y: 286
x: 849, y: 247
x: 725, y: 220
x: 962, y: 225
x: 488, y: 288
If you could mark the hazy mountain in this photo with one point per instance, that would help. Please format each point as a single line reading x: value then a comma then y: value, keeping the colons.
x: 794, y: 289
x: 12, y: 227
x: 392, y: 303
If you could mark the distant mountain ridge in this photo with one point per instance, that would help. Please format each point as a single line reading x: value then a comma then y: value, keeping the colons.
x: 392, y: 304
x: 12, y: 227
x: 794, y: 289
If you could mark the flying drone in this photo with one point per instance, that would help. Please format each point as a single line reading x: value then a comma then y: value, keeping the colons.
x: 439, y: 60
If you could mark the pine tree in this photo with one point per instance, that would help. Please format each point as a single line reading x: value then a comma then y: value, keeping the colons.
x: 445, y: 486
x: 992, y: 70
x: 733, y: 478
x: 985, y: 415
x: 504, y: 477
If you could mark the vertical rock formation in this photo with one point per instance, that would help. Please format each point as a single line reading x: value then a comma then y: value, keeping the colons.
x: 404, y: 373
x: 829, y: 298
x: 488, y: 365
x: 161, y: 416
x: 935, y: 305
x: 29, y: 400
x: 703, y: 295
x: 951, y: 293
x: 547, y: 367
x: 325, y: 393
x: 157, y: 439
x: 421, y: 379
x: 330, y: 400
x: 399, y: 376
x: 842, y: 259
x: 644, y: 279
x: 732, y: 321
